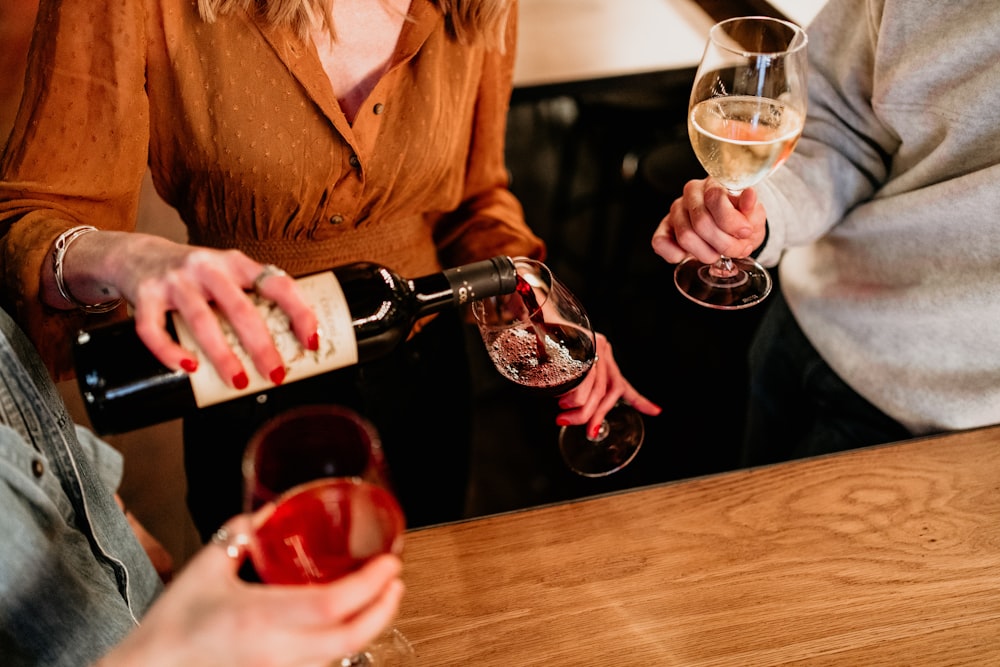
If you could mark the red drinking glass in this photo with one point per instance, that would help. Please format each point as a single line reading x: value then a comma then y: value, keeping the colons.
x: 321, y: 467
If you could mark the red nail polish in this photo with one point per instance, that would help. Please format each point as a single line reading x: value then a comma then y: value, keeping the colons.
x: 240, y: 380
x: 278, y: 375
x: 313, y: 342
x: 189, y: 365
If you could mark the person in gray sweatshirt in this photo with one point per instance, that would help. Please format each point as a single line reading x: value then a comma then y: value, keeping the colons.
x: 884, y: 227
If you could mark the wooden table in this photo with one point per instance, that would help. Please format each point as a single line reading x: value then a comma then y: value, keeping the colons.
x: 881, y: 556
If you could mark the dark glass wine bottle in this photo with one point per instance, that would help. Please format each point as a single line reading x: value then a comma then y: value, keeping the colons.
x: 365, y: 311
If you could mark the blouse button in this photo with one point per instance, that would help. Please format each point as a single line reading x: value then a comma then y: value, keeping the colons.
x: 355, y: 162
x: 37, y: 467
x: 378, y: 108
x: 336, y: 219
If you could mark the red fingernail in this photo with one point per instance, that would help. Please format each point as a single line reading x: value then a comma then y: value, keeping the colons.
x: 562, y: 421
x: 278, y: 375
x: 313, y: 342
x: 240, y: 380
x: 189, y: 365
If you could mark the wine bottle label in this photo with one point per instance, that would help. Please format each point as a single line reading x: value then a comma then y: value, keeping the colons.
x: 337, y: 345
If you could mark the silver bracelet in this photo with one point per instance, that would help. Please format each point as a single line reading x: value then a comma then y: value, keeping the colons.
x: 63, y: 243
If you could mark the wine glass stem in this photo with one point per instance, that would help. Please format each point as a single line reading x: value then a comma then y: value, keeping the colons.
x: 724, y: 267
x: 602, y: 433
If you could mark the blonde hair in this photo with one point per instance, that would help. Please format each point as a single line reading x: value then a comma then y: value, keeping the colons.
x: 468, y: 21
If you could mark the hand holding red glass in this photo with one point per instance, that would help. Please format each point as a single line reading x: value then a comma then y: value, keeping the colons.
x: 332, y: 510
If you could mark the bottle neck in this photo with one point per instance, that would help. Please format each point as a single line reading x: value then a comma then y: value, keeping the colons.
x: 464, y: 284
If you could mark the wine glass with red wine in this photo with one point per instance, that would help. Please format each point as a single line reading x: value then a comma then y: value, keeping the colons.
x: 321, y: 468
x: 540, y: 337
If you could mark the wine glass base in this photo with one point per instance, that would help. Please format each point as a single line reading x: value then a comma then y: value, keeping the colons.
x: 608, y: 454
x: 749, y: 287
x: 389, y: 649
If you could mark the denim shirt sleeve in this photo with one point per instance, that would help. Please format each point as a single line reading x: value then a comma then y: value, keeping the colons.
x: 74, y: 580
x: 104, y: 459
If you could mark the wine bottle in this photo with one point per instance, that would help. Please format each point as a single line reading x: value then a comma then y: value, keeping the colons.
x: 365, y: 310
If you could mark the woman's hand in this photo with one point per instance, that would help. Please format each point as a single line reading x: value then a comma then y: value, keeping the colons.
x: 599, y: 392
x: 706, y: 221
x: 209, y: 616
x: 156, y: 275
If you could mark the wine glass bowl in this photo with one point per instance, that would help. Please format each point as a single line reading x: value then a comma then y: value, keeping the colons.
x: 309, y: 442
x: 541, y: 338
x: 548, y: 354
x: 320, y: 531
x: 745, y: 115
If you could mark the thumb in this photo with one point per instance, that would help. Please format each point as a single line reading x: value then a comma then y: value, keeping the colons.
x: 747, y: 201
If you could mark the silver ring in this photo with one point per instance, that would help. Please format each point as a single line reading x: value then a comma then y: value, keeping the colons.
x: 265, y: 273
x: 233, y: 544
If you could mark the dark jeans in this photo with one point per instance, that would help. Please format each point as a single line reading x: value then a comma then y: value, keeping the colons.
x: 798, y: 406
x: 419, y: 398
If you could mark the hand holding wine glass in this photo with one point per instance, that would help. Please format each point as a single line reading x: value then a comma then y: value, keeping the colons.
x: 332, y: 510
x: 746, y: 112
x: 540, y: 337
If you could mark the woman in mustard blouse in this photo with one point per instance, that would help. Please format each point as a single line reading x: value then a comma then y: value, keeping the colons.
x: 301, y: 133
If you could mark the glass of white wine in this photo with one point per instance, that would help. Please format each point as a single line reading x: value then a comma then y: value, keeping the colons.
x: 747, y: 107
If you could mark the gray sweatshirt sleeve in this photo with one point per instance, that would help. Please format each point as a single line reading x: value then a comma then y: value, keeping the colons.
x: 845, y: 151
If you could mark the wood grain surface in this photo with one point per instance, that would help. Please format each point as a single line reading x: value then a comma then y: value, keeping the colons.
x: 881, y: 556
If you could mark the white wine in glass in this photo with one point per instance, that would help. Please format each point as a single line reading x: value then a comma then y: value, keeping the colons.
x: 746, y: 112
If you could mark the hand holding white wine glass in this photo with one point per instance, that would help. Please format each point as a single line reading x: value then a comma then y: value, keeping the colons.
x: 540, y: 337
x: 333, y: 510
x: 746, y: 112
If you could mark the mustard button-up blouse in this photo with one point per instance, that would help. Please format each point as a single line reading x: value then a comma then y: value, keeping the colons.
x: 244, y: 136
